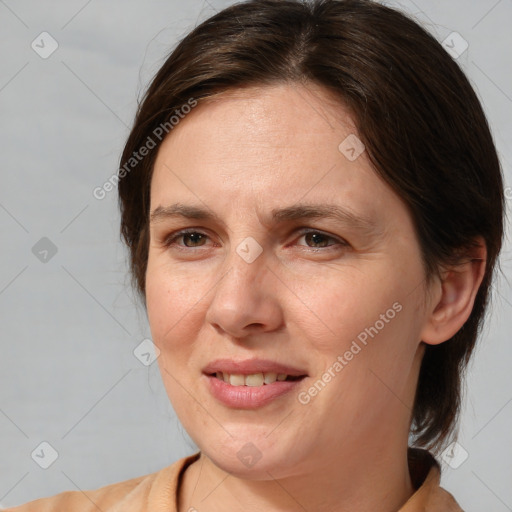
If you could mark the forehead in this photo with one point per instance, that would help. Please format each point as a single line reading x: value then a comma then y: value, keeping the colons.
x: 284, y: 114
x: 262, y: 121
x: 266, y: 145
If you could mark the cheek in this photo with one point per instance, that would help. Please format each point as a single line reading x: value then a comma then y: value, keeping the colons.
x: 173, y: 300
x: 338, y: 306
x: 175, y: 317
x: 368, y: 319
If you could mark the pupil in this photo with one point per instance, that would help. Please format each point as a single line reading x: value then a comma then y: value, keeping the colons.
x: 194, y: 236
x: 317, y: 238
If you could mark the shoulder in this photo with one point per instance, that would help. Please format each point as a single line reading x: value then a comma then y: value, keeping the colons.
x: 90, y: 500
x: 128, y: 495
x: 437, y: 498
x: 425, y: 473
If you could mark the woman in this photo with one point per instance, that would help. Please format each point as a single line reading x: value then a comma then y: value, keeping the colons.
x: 313, y: 206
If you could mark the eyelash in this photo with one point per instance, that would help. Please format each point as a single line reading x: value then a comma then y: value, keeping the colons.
x: 171, y: 239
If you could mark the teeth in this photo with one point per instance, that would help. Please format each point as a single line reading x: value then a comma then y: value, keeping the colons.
x: 237, y: 380
x: 254, y: 379
x: 269, y: 378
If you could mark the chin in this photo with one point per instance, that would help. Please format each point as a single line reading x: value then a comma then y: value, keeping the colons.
x: 257, y: 459
x: 249, y: 463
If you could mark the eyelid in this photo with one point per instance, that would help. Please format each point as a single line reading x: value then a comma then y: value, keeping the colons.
x: 306, y: 230
x: 175, y: 235
x: 172, y: 237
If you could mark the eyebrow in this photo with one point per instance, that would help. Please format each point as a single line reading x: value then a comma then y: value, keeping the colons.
x: 279, y: 215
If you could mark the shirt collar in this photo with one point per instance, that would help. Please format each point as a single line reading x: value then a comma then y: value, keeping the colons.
x: 429, y: 496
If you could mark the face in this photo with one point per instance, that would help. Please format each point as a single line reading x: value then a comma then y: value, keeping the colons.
x: 299, y: 263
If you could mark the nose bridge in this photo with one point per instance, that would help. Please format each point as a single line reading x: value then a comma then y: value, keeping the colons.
x: 245, y: 266
x: 241, y: 297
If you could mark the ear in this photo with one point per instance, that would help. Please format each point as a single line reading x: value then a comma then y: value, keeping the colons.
x: 454, y: 296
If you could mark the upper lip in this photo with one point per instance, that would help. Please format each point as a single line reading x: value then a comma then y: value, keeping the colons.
x: 251, y: 366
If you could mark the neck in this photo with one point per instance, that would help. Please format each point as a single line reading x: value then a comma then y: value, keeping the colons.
x: 372, y: 479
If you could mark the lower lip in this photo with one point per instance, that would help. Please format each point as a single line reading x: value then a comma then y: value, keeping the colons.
x: 249, y: 397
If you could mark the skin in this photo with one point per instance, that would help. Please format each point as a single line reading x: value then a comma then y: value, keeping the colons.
x: 301, y: 302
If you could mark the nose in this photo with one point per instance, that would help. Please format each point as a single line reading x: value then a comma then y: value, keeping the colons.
x: 246, y: 298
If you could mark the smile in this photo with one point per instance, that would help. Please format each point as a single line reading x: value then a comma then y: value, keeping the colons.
x: 254, y: 379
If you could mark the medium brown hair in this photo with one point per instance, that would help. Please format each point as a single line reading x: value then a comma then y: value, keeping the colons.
x: 424, y: 130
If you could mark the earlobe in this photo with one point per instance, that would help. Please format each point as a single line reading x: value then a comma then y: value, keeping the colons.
x: 459, y: 286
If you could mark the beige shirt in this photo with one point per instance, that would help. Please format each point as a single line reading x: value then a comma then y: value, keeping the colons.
x: 158, y: 491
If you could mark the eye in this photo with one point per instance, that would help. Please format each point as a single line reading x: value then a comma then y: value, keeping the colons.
x: 196, y: 238
x: 320, y: 240
x: 192, y: 238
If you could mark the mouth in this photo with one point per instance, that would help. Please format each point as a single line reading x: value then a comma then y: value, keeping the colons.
x: 255, y: 379
x: 252, y: 383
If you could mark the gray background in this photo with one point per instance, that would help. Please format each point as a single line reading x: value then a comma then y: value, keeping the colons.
x: 69, y: 325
